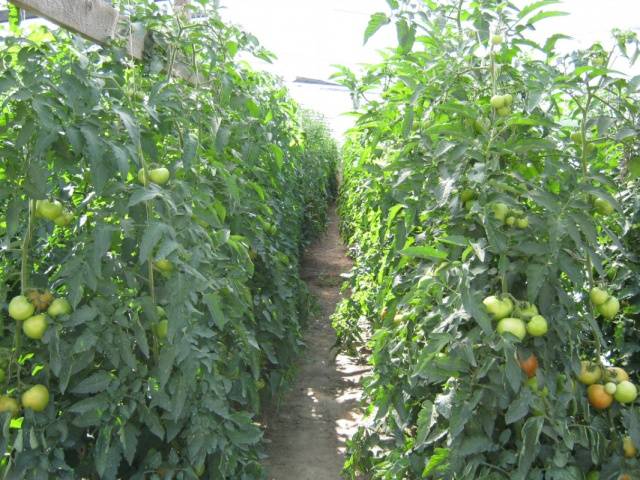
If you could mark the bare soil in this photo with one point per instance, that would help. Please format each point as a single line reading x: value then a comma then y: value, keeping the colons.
x: 306, y: 435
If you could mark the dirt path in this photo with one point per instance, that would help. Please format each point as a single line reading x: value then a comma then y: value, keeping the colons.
x: 306, y: 436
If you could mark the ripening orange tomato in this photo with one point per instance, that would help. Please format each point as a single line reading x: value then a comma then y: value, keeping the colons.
x: 529, y: 365
x: 598, y: 397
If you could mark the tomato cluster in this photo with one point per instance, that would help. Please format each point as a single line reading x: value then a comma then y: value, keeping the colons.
x: 34, y: 312
x: 519, y: 321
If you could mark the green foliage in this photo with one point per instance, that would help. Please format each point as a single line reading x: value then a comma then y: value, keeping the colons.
x: 250, y: 176
x: 321, y: 186
x: 447, y: 397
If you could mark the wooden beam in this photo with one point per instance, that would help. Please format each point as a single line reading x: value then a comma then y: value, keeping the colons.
x: 100, y: 22
x: 93, y: 19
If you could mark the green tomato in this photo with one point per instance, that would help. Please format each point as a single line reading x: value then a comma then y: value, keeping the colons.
x: 610, y: 388
x: 497, y: 308
x: 36, y: 398
x: 590, y: 372
x: 610, y: 308
x: 34, y: 327
x: 503, y: 112
x: 514, y: 326
x: 626, y: 392
x: 576, y: 137
x: 467, y: 194
x: 589, y: 148
x: 164, y: 265
x: 508, y: 99
x: 496, y: 39
x: 500, y: 211
x: 510, y: 221
x: 8, y: 404
x: 615, y: 374
x: 159, y: 176
x: 522, y: 223
x: 598, y: 296
x: 602, y: 206
x: 20, y: 308
x: 497, y: 101
x: 161, y: 329
x: 629, y: 448
x: 60, y: 306
x: 479, y: 126
x: 537, y: 326
x: 49, y: 210
x: 63, y: 219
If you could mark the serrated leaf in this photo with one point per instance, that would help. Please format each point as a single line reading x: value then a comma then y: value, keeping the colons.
x: 376, y: 22
x: 141, y: 194
x: 536, y: 6
x: 542, y: 15
x: 99, y: 402
x: 474, y: 307
x: 94, y: 383
x: 519, y: 408
x: 141, y: 337
x: 150, y: 238
x: 529, y: 449
x: 129, y: 441
x: 189, y: 150
x: 165, y: 364
x: 438, y: 458
x: 425, y: 422
x: 425, y: 251
x: 130, y: 124
x: 101, y: 451
x: 406, y: 35
x: 536, y: 277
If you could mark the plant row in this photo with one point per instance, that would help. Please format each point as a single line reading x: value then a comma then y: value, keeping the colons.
x: 150, y: 233
x: 489, y: 198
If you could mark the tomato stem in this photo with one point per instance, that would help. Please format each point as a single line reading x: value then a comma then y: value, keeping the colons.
x: 24, y: 286
x: 148, y: 211
x: 585, y: 173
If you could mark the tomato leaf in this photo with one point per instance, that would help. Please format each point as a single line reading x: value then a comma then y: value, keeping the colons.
x: 424, y: 251
x: 96, y: 382
x: 377, y: 21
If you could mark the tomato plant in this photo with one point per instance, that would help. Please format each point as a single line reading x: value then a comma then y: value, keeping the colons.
x: 448, y: 397
x: 165, y: 311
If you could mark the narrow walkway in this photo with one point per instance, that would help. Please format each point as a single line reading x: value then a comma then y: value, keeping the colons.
x: 306, y: 436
